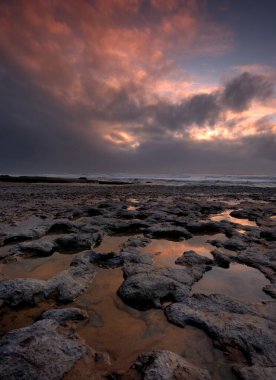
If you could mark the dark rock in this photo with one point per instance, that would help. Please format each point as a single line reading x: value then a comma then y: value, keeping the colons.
x: 204, y: 227
x: 19, y: 237
x: 148, y: 287
x: 170, y: 233
x: 122, y: 227
x: 62, y: 226
x: 132, y: 256
x: 64, y: 287
x: 106, y: 260
x: 240, y: 214
x: 165, y: 365
x: 222, y: 259
x: 269, y: 235
x: 256, y: 372
x: 235, y: 244
x: 231, y: 323
x: 192, y: 258
x: 76, y: 242
x: 35, y: 248
x: 63, y: 315
x: 22, y: 291
x: 270, y: 290
x: 39, y: 352
x: 136, y: 242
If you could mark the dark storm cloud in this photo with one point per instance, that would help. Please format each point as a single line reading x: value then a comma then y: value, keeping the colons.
x: 239, y: 92
x: 198, y: 109
x: 95, y: 89
x: 201, y: 109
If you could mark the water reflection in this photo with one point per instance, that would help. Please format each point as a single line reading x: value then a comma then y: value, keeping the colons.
x: 166, y: 252
x: 125, y: 333
x: 41, y: 268
x: 238, y: 281
x: 113, y: 243
x: 226, y: 216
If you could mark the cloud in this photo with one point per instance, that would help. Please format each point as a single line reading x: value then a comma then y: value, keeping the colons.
x: 104, y: 87
x: 242, y: 90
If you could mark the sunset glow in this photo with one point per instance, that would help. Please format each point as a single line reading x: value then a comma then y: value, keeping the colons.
x: 125, y: 80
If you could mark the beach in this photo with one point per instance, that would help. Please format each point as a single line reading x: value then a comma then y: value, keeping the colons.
x: 137, y: 278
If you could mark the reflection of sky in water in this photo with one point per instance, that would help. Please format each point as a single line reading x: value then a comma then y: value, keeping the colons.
x: 112, y: 244
x: 242, y: 231
x: 132, y: 208
x: 166, y: 252
x: 238, y: 281
x: 125, y: 333
x: 226, y: 216
x: 41, y: 268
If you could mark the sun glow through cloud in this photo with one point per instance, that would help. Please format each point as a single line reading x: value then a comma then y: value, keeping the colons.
x: 132, y: 77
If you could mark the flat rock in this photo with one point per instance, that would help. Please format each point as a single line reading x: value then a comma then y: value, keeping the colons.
x: 63, y: 315
x: 77, y: 242
x: 166, y: 365
x: 170, y: 233
x: 193, y: 258
x: 147, y: 287
x: 64, y: 287
x: 106, y: 260
x: 35, y: 248
x: 256, y: 372
x: 269, y: 234
x: 22, y: 291
x: 270, y: 290
x: 231, y: 323
x: 39, y: 352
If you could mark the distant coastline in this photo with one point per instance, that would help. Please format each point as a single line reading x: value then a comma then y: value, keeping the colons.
x: 125, y: 179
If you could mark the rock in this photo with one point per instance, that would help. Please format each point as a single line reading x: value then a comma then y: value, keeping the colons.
x: 62, y: 226
x: 222, y: 259
x: 240, y: 214
x: 136, y: 242
x: 166, y: 365
x: 76, y: 242
x: 122, y: 227
x: 204, y: 227
x: 148, y: 287
x: 63, y: 315
x: 270, y: 290
x: 192, y: 258
x: 35, y: 248
x: 170, y: 233
x: 19, y: 236
x: 39, y: 352
x: 256, y: 372
x: 106, y: 260
x: 69, y: 284
x: 269, y: 235
x: 132, y: 256
x: 22, y: 291
x: 231, y: 323
x: 64, y: 287
x: 234, y: 244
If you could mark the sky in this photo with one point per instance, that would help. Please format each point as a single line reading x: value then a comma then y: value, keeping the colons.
x: 138, y: 86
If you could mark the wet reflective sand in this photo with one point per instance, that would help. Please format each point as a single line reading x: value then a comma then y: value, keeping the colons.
x: 112, y: 243
x: 124, y: 332
x: 239, y: 281
x: 226, y: 216
x: 165, y: 252
x: 16, y: 319
x: 41, y: 268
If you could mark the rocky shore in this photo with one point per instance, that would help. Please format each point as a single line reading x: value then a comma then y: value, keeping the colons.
x: 47, y: 227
